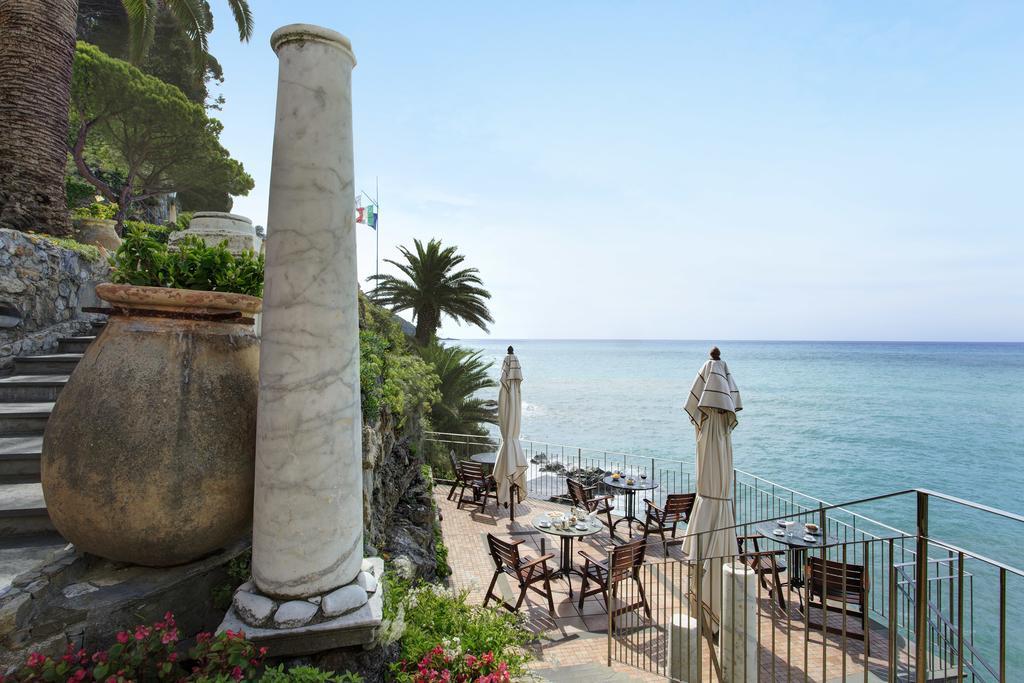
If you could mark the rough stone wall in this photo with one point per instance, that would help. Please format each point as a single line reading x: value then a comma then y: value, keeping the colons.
x: 45, y: 285
x: 398, y: 512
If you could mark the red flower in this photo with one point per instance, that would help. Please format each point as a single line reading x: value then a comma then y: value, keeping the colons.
x: 35, y: 659
x: 123, y: 637
x: 79, y: 675
x: 100, y: 656
x: 263, y: 652
x: 236, y: 673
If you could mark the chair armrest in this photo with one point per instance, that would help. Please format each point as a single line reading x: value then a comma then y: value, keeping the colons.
x: 601, y: 499
x: 652, y: 504
x: 590, y: 558
x: 539, y: 560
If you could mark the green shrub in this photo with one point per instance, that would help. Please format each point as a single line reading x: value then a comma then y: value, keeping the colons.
x: 161, y: 233
x: 183, y: 220
x: 77, y: 191
x: 87, y: 251
x: 441, y: 566
x: 143, y: 260
x: 393, y: 379
x: 239, y: 571
x: 424, y: 616
x: 104, y: 210
x: 307, y: 674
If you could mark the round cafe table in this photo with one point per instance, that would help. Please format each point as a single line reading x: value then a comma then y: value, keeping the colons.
x: 630, y: 491
x: 485, y: 458
x: 565, y: 568
x: 798, y: 545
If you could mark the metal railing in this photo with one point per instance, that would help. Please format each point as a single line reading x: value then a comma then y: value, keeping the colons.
x: 935, y: 597
x: 742, y: 632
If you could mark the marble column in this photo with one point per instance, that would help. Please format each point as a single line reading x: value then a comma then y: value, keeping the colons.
x: 307, y: 526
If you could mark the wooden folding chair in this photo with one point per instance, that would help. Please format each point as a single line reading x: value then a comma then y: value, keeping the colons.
x: 764, y: 564
x: 482, y: 485
x: 626, y: 561
x: 678, y: 507
x: 525, y: 571
x: 836, y: 582
x: 583, y: 497
x: 457, y: 480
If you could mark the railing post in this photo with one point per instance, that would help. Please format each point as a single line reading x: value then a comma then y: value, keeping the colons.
x: 921, y: 591
x: 579, y: 458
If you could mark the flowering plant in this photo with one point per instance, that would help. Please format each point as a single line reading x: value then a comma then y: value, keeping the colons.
x: 148, y: 653
x: 443, y: 664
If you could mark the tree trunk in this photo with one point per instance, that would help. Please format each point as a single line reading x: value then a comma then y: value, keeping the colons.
x: 426, y: 327
x: 37, y: 47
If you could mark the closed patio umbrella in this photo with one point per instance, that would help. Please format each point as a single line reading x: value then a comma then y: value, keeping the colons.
x: 510, y: 465
x: 712, y: 405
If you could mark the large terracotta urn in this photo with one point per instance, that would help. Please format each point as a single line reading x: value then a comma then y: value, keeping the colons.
x: 148, y: 454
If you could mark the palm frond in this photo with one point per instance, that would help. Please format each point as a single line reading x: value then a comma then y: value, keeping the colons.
x: 243, y: 18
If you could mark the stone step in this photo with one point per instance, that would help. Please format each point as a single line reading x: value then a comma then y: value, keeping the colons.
x: 22, y: 554
x: 24, y: 418
x: 16, y: 388
x: 47, y: 364
x: 75, y: 344
x: 23, y: 510
x: 19, y: 459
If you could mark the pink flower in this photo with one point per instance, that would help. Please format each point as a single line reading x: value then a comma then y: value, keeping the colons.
x: 79, y: 675
x: 236, y: 673
x: 173, y: 657
x: 35, y: 659
x: 169, y: 636
x: 100, y: 656
x: 263, y: 652
x: 123, y: 637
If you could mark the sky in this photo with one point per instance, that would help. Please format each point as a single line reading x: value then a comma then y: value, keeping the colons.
x: 656, y: 170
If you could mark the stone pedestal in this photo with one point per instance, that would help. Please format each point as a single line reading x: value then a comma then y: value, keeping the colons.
x: 738, y: 637
x: 684, y: 649
x: 311, y: 589
x: 215, y: 227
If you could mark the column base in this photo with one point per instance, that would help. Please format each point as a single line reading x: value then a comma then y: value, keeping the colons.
x: 346, y: 616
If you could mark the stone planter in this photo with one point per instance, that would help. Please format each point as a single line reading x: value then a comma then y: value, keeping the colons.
x: 99, y: 232
x: 215, y: 227
x: 148, y: 454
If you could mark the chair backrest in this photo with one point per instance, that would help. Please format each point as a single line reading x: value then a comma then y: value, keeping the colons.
x: 678, y: 506
x: 827, y: 578
x: 454, y: 463
x: 626, y: 559
x: 577, y: 492
x: 472, y: 471
x: 504, y: 554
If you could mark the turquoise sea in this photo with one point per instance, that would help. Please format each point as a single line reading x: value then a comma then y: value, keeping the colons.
x: 836, y: 420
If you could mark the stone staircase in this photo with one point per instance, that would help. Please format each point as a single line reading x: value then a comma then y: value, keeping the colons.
x: 26, y: 398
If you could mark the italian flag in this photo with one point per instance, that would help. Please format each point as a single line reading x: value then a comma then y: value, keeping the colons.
x: 367, y: 215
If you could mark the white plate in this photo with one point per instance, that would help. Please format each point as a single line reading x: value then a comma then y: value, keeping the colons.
x: 543, y: 524
x: 582, y: 527
x: 785, y: 522
x: 810, y: 539
x: 778, y: 532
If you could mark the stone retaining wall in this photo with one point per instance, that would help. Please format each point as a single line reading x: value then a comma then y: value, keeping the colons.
x: 42, y: 289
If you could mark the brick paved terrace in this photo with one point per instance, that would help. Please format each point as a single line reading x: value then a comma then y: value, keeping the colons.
x: 786, y: 648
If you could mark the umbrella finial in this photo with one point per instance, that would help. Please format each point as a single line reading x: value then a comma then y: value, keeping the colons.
x: 715, y: 353
x: 510, y: 351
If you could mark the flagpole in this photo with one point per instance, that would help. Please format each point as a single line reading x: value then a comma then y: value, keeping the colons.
x: 377, y: 229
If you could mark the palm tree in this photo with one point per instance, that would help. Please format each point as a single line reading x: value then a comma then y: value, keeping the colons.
x: 435, y: 287
x: 37, y: 45
x: 36, y: 53
x: 193, y: 16
x: 463, y: 374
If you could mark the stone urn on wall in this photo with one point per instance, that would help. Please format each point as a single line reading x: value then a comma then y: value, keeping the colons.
x: 148, y: 455
x: 99, y: 232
